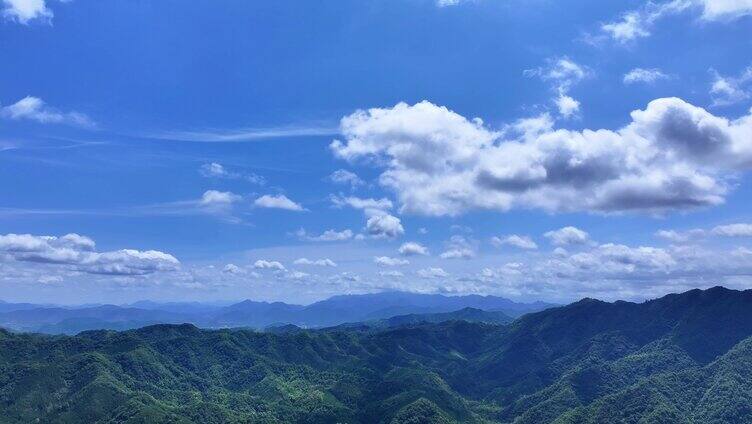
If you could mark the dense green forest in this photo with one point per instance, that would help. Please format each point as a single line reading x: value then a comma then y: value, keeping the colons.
x: 684, y: 358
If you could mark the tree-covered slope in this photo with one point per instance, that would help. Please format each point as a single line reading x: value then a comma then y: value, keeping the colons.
x: 679, y: 359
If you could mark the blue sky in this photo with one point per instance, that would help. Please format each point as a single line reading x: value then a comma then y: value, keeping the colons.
x: 212, y: 150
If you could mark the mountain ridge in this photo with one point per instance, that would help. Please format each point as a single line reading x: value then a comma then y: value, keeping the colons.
x: 255, y: 314
x: 674, y: 359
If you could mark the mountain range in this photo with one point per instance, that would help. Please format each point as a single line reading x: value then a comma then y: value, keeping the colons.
x: 330, y: 312
x: 683, y: 358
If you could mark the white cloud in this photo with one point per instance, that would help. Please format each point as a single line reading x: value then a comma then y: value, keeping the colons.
x: 345, y: 177
x: 680, y: 236
x: 50, y: 279
x: 296, y: 275
x: 458, y: 253
x: 637, y: 24
x: 273, y: 265
x: 458, y: 247
x: 77, y: 252
x: 279, y: 201
x: 630, y: 27
x: 387, y: 261
x: 563, y: 73
x: 24, y: 11
x: 328, y: 235
x: 233, y: 269
x: 728, y: 230
x: 34, y: 109
x: 514, y: 240
x: 217, y: 170
x: 567, y: 106
x: 648, y: 76
x: 733, y: 230
x: 391, y: 273
x: 730, y: 90
x: 318, y: 262
x: 672, y: 156
x: 370, y: 206
x: 615, y: 259
x: 567, y: 236
x: 725, y: 9
x: 384, y: 226
x: 412, y: 248
x: 218, y: 198
x: 432, y: 273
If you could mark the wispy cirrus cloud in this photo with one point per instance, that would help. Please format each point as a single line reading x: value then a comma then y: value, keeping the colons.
x: 217, y: 170
x: 245, y: 134
x: 562, y: 73
x: 639, y: 23
x: 728, y: 90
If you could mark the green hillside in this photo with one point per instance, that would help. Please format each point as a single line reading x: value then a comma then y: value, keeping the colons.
x: 680, y: 359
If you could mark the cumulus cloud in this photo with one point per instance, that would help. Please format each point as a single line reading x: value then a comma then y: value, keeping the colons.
x: 328, y: 235
x: 387, y: 261
x: 345, y: 177
x: 25, y: 11
x: 271, y: 265
x: 217, y: 170
x: 384, y: 226
x: 567, y: 106
x: 279, y: 201
x: 78, y: 252
x: 514, y: 240
x: 567, y: 236
x: 671, y: 156
x: 318, y: 262
x: 647, y: 76
x: 34, y: 109
x: 412, y: 248
x: 432, y: 273
x: 233, y: 269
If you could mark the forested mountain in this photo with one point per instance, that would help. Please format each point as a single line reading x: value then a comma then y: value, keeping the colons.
x: 331, y: 312
x: 684, y: 358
